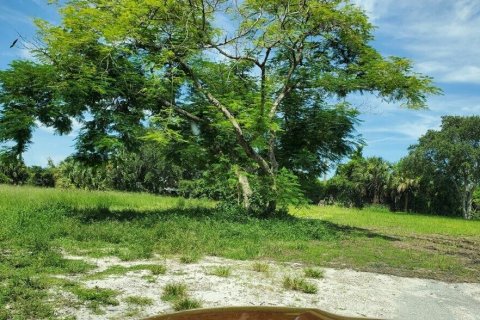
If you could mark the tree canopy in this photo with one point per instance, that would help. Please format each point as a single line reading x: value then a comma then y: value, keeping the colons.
x: 440, y: 175
x: 448, y: 162
x: 257, y: 87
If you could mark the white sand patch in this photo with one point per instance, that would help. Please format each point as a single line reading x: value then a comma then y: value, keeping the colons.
x: 344, y: 292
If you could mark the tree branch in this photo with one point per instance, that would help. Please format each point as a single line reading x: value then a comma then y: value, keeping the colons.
x: 288, y: 86
x: 183, y: 112
x: 230, y: 56
x: 236, y: 126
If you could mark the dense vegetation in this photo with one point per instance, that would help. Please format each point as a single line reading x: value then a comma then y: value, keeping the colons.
x: 39, y: 226
x: 259, y: 107
x: 440, y: 175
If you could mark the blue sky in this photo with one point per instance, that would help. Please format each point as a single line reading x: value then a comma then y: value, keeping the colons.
x: 441, y: 36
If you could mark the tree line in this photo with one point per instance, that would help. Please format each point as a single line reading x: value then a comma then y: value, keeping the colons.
x: 440, y: 175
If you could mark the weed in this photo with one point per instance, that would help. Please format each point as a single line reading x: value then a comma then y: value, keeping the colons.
x: 139, y: 301
x: 260, y: 267
x: 221, y: 271
x: 132, y: 313
x: 155, y: 269
x: 299, y: 284
x: 149, y: 278
x: 95, y: 297
x: 186, y: 303
x: 314, y: 273
x: 190, y: 258
x: 174, y: 291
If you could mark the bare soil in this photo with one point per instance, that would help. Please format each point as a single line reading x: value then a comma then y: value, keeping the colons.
x: 344, y: 291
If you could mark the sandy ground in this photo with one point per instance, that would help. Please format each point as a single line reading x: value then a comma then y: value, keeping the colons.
x: 344, y: 292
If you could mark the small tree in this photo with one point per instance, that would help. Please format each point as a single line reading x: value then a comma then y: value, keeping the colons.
x: 12, y: 169
x: 361, y: 180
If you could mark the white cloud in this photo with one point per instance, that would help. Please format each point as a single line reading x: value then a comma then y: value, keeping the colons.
x: 467, y: 74
x: 410, y: 127
x: 374, y: 8
x: 441, y: 35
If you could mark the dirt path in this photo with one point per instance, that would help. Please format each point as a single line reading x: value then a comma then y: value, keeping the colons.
x: 344, y: 292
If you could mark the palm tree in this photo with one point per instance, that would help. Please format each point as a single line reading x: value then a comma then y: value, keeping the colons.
x: 377, y: 175
x: 405, y: 186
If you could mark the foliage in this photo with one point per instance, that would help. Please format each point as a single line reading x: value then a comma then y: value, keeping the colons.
x: 261, y: 267
x: 146, y: 170
x: 447, y: 163
x: 42, y: 177
x: 129, y: 71
x: 360, y: 181
x: 12, y: 169
x: 139, y: 301
x: 476, y: 201
x: 187, y: 303
x: 221, y: 271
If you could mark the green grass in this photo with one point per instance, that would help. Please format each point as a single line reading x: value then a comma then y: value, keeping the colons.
x: 174, y: 291
x: 299, y: 284
x: 37, y: 225
x: 139, y: 301
x: 220, y: 271
x: 314, y: 273
x: 187, y: 303
x: 398, y: 223
x: 191, y: 258
x: 177, y: 294
x: 155, y: 269
x: 96, y: 297
x: 260, y: 267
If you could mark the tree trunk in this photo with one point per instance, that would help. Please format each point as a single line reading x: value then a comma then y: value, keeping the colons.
x: 245, y: 191
x: 406, y: 202
x: 376, y: 198
x: 469, y: 206
x: 467, y: 200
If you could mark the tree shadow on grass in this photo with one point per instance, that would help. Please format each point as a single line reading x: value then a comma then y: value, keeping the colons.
x: 147, y: 218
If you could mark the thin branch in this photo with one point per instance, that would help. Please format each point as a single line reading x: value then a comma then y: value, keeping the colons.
x: 230, y: 56
x: 233, y: 121
x: 288, y: 86
x: 182, y: 112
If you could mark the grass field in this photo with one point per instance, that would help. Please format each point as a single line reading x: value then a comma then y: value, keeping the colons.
x: 39, y: 226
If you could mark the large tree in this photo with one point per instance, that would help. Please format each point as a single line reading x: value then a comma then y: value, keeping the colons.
x: 448, y: 163
x: 247, y: 74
